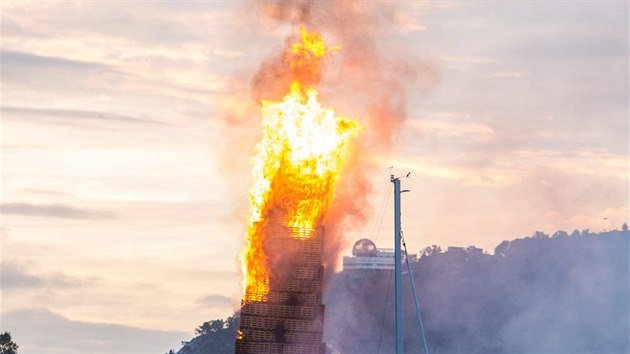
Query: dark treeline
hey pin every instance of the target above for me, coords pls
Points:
(555, 293)
(216, 337)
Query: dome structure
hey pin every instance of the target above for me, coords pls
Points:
(364, 248)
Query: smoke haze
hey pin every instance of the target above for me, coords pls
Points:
(364, 79)
(558, 294)
(539, 294)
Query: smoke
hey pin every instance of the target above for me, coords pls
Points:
(558, 294)
(365, 79)
(370, 77)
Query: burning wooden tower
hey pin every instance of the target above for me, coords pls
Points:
(289, 319)
(296, 167)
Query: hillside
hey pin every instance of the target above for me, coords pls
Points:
(560, 293)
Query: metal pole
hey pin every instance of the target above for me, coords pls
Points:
(397, 265)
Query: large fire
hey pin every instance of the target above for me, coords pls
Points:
(297, 162)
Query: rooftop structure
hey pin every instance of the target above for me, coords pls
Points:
(365, 255)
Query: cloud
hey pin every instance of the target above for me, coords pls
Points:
(481, 173)
(511, 74)
(10, 57)
(43, 192)
(609, 218)
(481, 167)
(15, 276)
(54, 211)
(469, 60)
(94, 21)
(21, 112)
(410, 17)
(227, 53)
(442, 128)
(587, 162)
(29, 75)
(215, 300)
(38, 330)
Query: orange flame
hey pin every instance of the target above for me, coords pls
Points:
(297, 162)
(306, 58)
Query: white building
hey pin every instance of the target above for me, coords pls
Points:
(365, 255)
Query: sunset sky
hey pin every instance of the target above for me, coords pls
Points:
(124, 194)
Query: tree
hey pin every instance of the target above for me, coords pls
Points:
(502, 248)
(234, 321)
(624, 227)
(560, 234)
(6, 344)
(210, 327)
(431, 250)
(540, 235)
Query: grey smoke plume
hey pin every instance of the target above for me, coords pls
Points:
(541, 294)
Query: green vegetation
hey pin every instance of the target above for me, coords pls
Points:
(7, 346)
(216, 337)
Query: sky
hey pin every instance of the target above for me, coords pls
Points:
(123, 212)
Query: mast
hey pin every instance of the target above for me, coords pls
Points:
(397, 265)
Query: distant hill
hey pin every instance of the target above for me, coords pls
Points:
(556, 294)
(213, 337)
